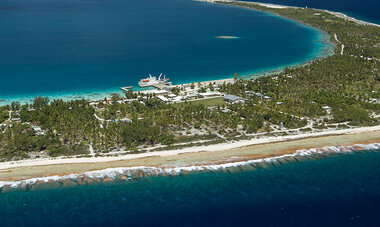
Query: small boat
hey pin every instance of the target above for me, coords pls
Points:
(153, 80)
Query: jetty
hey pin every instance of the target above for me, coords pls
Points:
(167, 86)
(128, 88)
(163, 86)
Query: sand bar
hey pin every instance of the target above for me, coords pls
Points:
(226, 37)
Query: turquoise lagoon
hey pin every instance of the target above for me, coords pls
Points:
(82, 48)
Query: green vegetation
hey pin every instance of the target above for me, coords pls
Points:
(3, 114)
(145, 132)
(346, 83)
(339, 91)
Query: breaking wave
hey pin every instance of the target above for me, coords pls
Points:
(130, 173)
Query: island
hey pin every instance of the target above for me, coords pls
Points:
(327, 106)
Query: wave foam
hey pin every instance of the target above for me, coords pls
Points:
(127, 173)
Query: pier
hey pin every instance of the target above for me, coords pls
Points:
(162, 86)
(128, 88)
(168, 85)
(187, 86)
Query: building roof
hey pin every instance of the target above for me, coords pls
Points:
(163, 98)
(177, 99)
(36, 128)
(160, 92)
(206, 94)
(192, 95)
(232, 98)
(126, 120)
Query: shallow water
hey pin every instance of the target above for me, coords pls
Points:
(343, 189)
(75, 47)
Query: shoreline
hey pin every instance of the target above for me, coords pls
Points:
(192, 158)
(225, 153)
(124, 173)
(278, 6)
(344, 16)
(325, 51)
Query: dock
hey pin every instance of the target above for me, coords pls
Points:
(161, 86)
(168, 85)
(126, 89)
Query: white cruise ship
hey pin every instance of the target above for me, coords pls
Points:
(153, 80)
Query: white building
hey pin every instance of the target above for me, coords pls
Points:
(163, 98)
(38, 130)
(177, 99)
(233, 98)
(160, 92)
(210, 94)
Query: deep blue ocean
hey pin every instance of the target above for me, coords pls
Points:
(367, 10)
(342, 190)
(75, 47)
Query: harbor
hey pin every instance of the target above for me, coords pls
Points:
(164, 86)
(187, 92)
(152, 81)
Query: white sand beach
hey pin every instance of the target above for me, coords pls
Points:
(344, 16)
(23, 168)
(276, 6)
(210, 148)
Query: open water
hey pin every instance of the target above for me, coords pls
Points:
(73, 48)
(61, 47)
(341, 190)
(367, 10)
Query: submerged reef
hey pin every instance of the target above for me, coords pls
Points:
(126, 174)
